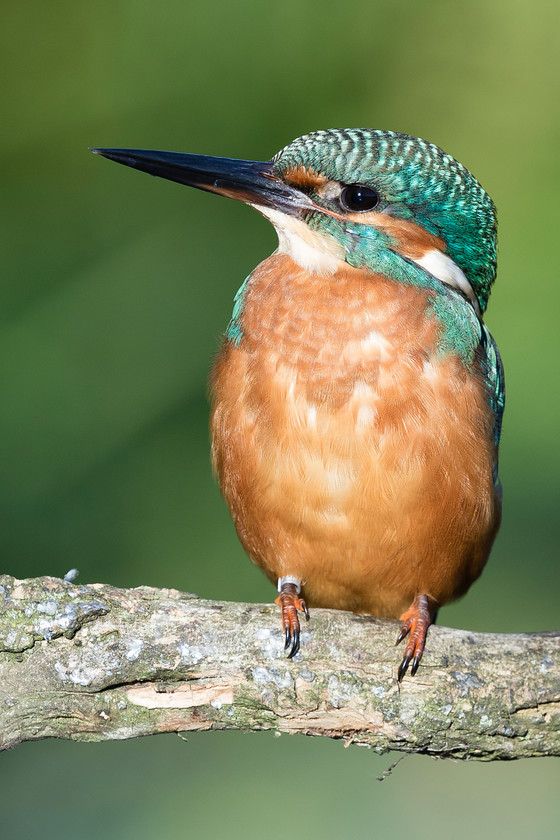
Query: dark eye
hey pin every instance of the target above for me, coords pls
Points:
(356, 197)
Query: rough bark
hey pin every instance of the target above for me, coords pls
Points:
(95, 662)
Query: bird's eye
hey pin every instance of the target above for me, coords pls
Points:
(356, 197)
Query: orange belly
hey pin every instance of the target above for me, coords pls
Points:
(350, 454)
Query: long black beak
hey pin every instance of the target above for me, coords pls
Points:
(245, 180)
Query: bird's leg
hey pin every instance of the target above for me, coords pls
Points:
(290, 602)
(416, 621)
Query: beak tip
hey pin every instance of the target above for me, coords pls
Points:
(246, 180)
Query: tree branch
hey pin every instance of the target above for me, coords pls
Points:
(94, 662)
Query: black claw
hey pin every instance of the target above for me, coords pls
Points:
(305, 610)
(415, 664)
(403, 666)
(287, 638)
(295, 643)
(403, 632)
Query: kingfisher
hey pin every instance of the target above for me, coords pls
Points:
(357, 397)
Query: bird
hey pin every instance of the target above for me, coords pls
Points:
(357, 396)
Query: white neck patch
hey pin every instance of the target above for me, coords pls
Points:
(311, 250)
(443, 268)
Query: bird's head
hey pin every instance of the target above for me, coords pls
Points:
(377, 200)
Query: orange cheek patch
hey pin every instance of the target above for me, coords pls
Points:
(305, 177)
(412, 240)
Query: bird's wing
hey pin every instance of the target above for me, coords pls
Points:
(493, 371)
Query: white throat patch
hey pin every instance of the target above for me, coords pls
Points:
(311, 250)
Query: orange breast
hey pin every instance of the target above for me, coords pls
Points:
(349, 454)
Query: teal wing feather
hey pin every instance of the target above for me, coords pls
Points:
(493, 371)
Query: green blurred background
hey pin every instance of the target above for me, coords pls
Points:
(116, 288)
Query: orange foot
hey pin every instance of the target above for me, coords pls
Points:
(416, 621)
(290, 602)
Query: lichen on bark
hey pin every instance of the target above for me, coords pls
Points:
(95, 662)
